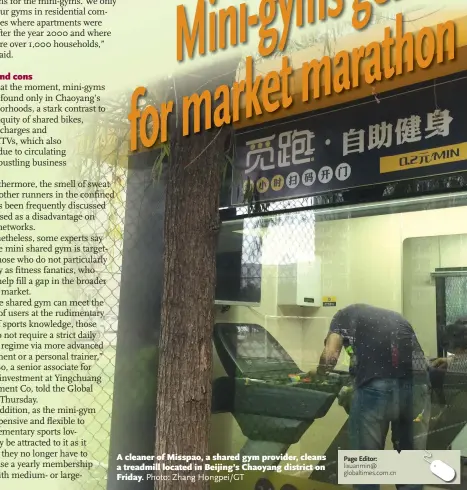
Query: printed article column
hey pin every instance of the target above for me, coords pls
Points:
(59, 285)
(63, 161)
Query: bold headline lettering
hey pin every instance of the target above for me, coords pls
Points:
(399, 53)
(229, 26)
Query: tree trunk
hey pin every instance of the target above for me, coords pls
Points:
(185, 357)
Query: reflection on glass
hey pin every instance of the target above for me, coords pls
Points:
(392, 256)
(253, 343)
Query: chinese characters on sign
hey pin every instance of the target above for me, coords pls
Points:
(293, 148)
(343, 149)
(407, 130)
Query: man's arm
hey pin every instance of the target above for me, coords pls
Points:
(331, 353)
(442, 362)
(329, 356)
(333, 344)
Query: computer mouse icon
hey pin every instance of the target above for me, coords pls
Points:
(442, 471)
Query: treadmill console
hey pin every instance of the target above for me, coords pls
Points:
(250, 351)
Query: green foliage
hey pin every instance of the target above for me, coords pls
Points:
(161, 159)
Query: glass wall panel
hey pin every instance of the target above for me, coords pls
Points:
(281, 281)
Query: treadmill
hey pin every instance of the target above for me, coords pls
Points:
(272, 412)
(450, 391)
